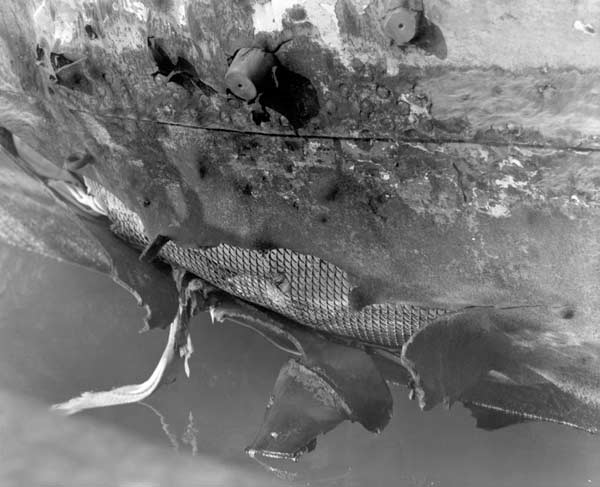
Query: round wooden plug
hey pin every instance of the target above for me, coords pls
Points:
(250, 72)
(401, 25)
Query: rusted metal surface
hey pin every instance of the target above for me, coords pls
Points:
(446, 171)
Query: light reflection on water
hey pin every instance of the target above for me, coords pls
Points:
(65, 330)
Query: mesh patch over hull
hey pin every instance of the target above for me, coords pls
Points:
(301, 287)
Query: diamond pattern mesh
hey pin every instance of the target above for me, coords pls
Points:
(301, 287)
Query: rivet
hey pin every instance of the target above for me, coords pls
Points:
(344, 91)
(225, 117)
(366, 106)
(383, 92)
(357, 65)
(330, 106)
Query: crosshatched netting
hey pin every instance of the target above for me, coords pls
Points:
(301, 287)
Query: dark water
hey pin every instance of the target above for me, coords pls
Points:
(64, 330)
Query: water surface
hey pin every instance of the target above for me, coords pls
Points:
(64, 330)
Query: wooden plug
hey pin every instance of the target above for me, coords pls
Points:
(250, 72)
(401, 25)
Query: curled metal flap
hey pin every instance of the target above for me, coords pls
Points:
(530, 362)
(303, 405)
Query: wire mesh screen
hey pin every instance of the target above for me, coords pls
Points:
(301, 287)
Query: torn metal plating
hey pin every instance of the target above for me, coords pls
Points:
(179, 346)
